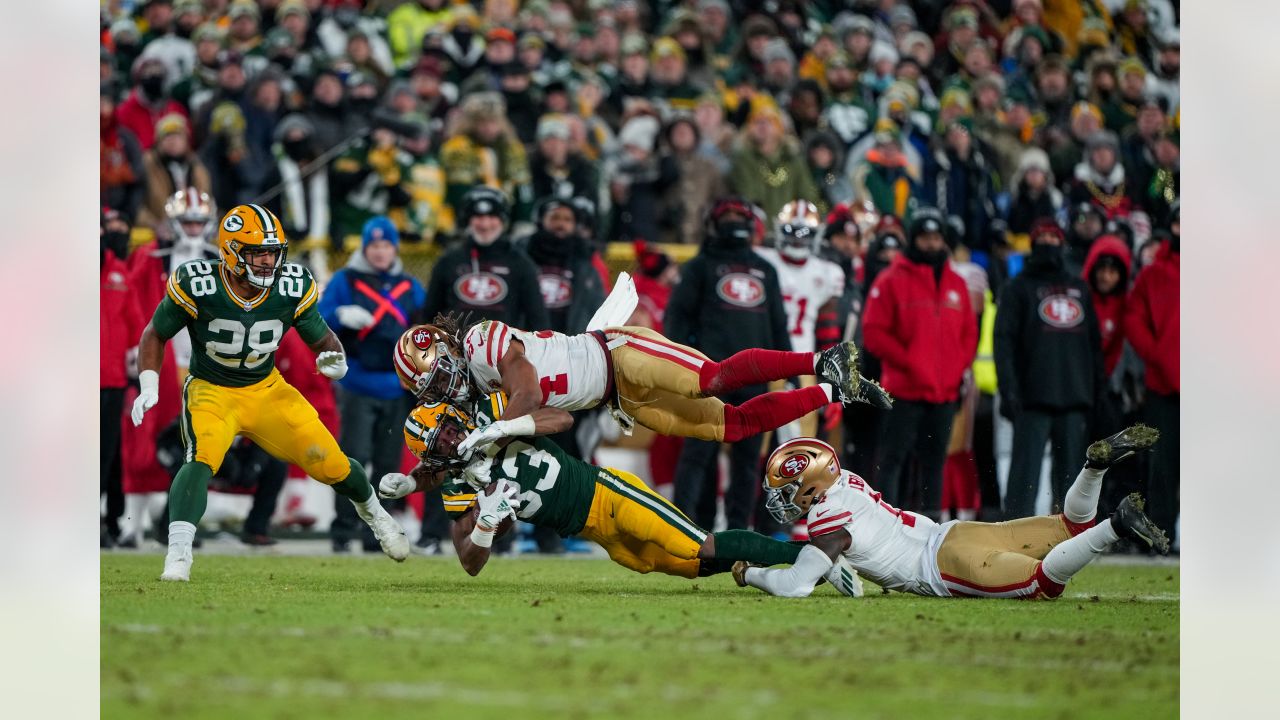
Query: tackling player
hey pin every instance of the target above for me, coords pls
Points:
(1031, 557)
(237, 310)
(536, 481)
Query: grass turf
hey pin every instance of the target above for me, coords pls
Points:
(311, 637)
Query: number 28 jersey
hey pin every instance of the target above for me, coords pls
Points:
(234, 339)
(572, 369)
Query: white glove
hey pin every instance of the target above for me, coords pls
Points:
(476, 474)
(497, 507)
(396, 485)
(149, 393)
(332, 364)
(354, 317)
(486, 436)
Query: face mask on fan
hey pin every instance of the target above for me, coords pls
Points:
(733, 233)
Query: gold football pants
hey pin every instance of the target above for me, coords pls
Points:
(640, 529)
(659, 384)
(271, 413)
(999, 559)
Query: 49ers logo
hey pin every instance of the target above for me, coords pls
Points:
(556, 290)
(740, 289)
(794, 466)
(422, 339)
(1061, 311)
(481, 288)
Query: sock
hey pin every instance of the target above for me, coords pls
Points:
(712, 566)
(355, 485)
(829, 390)
(189, 494)
(753, 367)
(181, 535)
(733, 545)
(1081, 502)
(1070, 556)
(771, 410)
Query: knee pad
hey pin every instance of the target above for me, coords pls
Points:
(326, 466)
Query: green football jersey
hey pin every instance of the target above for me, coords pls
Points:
(234, 339)
(556, 488)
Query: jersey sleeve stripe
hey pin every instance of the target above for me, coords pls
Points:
(826, 525)
(307, 301)
(498, 350)
(488, 353)
(176, 294)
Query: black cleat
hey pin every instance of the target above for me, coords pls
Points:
(871, 393)
(838, 366)
(1105, 453)
(1131, 523)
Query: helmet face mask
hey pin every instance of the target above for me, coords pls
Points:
(433, 432)
(798, 228)
(797, 474)
(430, 366)
(249, 234)
(191, 216)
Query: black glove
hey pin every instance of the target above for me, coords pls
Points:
(1010, 407)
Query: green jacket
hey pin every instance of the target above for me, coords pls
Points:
(772, 182)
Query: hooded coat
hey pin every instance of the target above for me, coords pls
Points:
(1109, 308)
(1152, 321)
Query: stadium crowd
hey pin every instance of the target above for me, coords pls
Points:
(997, 182)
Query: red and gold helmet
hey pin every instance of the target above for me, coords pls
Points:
(796, 475)
(432, 433)
(252, 230)
(430, 365)
(798, 227)
(191, 216)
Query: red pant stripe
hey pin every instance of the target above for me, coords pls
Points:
(666, 352)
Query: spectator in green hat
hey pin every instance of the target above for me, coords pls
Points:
(848, 112)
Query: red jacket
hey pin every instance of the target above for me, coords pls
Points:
(1109, 308)
(1152, 323)
(120, 322)
(141, 119)
(924, 332)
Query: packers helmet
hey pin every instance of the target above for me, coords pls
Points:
(252, 230)
(796, 475)
(798, 227)
(430, 365)
(191, 215)
(432, 433)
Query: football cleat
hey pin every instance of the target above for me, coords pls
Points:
(389, 533)
(873, 394)
(838, 365)
(177, 565)
(1132, 524)
(740, 572)
(1107, 452)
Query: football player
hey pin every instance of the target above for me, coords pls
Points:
(237, 310)
(1031, 557)
(535, 481)
(811, 286)
(640, 375)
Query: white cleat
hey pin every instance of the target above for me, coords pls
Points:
(389, 533)
(177, 565)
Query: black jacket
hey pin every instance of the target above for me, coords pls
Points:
(1048, 349)
(571, 288)
(727, 301)
(497, 282)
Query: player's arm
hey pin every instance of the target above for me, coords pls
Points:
(814, 561)
(519, 381)
(331, 361)
(176, 310)
(473, 557)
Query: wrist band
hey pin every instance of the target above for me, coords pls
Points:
(482, 538)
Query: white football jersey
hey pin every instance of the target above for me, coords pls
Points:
(893, 548)
(805, 288)
(572, 369)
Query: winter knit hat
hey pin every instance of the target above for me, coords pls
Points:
(1102, 138)
(379, 227)
(639, 132)
(1046, 226)
(652, 262)
(777, 49)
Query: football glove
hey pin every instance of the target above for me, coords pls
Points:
(486, 436)
(354, 317)
(394, 486)
(332, 364)
(476, 474)
(149, 393)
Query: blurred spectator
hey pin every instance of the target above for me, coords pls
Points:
(804, 108)
(728, 300)
(779, 72)
(686, 30)
(369, 179)
(716, 137)
(882, 176)
(768, 167)
(962, 183)
(499, 51)
(1107, 272)
(368, 304)
(1100, 178)
(233, 171)
(1049, 360)
(245, 26)
(1087, 223)
(824, 154)
(1121, 109)
(670, 76)
(1153, 327)
(264, 108)
(483, 149)
(435, 97)
(638, 180)
(462, 44)
(656, 277)
(699, 181)
(1034, 194)
(919, 323)
(847, 113)
(121, 325)
(408, 23)
(1067, 151)
(122, 178)
(170, 166)
(195, 88)
(148, 102)
(1164, 79)
(301, 203)
(524, 104)
(328, 112)
(557, 169)
(163, 40)
(127, 46)
(426, 215)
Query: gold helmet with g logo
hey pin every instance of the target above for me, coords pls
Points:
(432, 433)
(252, 231)
(796, 475)
(429, 364)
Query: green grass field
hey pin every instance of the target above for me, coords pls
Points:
(351, 637)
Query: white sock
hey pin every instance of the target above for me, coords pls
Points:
(1070, 557)
(367, 509)
(1081, 503)
(181, 535)
(830, 391)
(815, 362)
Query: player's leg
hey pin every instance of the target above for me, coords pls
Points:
(973, 563)
(288, 427)
(1080, 504)
(208, 423)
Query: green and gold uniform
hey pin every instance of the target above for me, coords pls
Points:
(234, 387)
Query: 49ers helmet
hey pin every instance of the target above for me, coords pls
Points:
(187, 208)
(432, 433)
(430, 365)
(252, 229)
(796, 475)
(798, 227)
